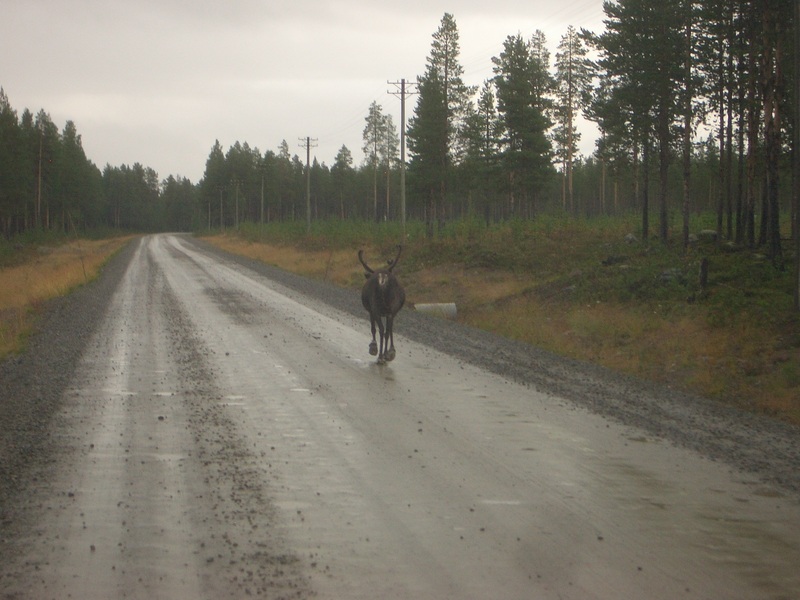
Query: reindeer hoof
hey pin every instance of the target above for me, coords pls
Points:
(373, 349)
(390, 354)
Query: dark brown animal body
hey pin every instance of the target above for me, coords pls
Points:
(383, 297)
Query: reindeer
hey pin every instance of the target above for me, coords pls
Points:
(383, 296)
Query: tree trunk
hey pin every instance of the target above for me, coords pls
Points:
(635, 172)
(729, 155)
(430, 215)
(687, 132)
(740, 175)
(645, 188)
(752, 156)
(721, 142)
(773, 91)
(663, 160)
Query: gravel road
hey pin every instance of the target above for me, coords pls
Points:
(250, 516)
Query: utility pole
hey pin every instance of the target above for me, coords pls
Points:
(796, 158)
(405, 89)
(308, 143)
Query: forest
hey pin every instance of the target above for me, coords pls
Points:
(694, 101)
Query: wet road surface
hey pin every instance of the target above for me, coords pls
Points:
(225, 436)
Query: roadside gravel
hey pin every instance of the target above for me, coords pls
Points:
(762, 450)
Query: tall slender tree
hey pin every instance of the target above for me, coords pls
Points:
(775, 14)
(573, 78)
(342, 173)
(443, 61)
(374, 135)
(390, 153)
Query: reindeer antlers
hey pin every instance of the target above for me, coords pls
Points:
(361, 260)
(392, 262)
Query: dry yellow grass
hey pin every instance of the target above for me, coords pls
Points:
(338, 266)
(684, 353)
(52, 272)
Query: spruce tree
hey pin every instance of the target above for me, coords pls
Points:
(436, 134)
(521, 81)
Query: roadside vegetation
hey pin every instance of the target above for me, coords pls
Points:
(37, 268)
(579, 288)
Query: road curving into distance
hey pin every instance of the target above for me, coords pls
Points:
(221, 433)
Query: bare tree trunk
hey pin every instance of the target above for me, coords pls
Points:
(721, 142)
(687, 134)
(635, 172)
(729, 154)
(646, 188)
(752, 156)
(375, 192)
(430, 215)
(663, 175)
(740, 173)
(773, 96)
(603, 185)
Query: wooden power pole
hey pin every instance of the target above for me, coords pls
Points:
(405, 89)
(308, 143)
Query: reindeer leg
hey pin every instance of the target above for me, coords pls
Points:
(389, 353)
(373, 347)
(382, 353)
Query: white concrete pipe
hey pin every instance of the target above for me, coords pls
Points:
(446, 310)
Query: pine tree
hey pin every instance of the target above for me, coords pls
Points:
(443, 62)
(574, 75)
(373, 135)
(390, 154)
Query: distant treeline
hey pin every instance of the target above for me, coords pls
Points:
(661, 73)
(47, 183)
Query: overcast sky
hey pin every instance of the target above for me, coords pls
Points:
(158, 81)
